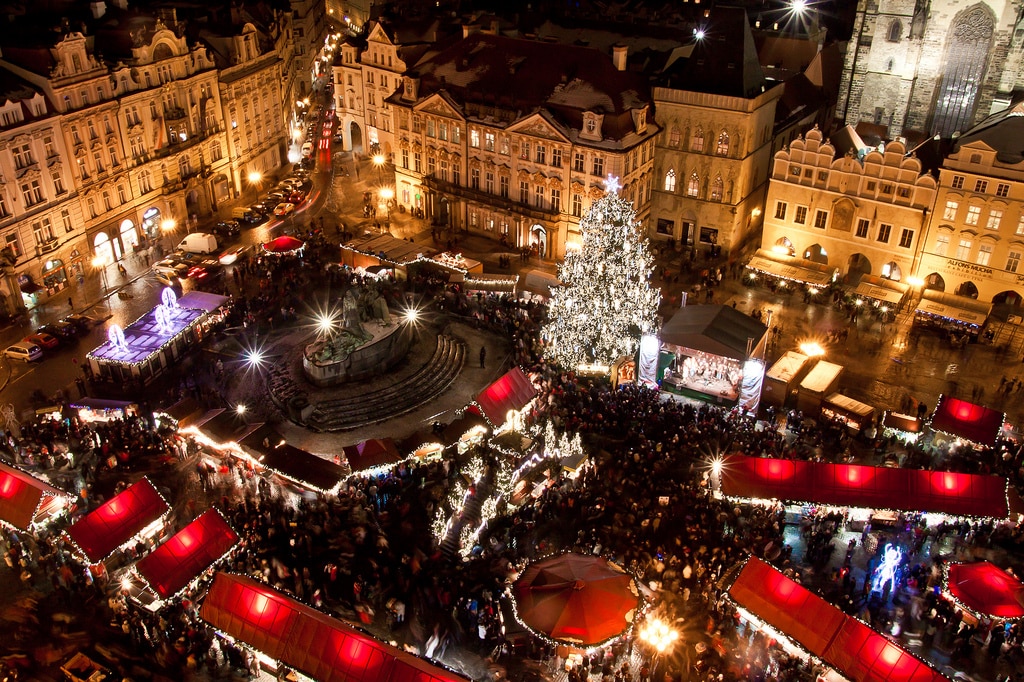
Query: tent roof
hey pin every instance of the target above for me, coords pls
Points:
(966, 420)
(283, 244)
(371, 454)
(774, 598)
(225, 426)
(23, 497)
(118, 520)
(513, 391)
(843, 642)
(986, 589)
(864, 486)
(716, 329)
(303, 467)
(173, 565)
(303, 638)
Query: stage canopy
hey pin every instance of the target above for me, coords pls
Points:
(715, 329)
(986, 590)
(173, 565)
(852, 485)
(25, 501)
(512, 392)
(371, 454)
(117, 521)
(852, 648)
(303, 638)
(966, 420)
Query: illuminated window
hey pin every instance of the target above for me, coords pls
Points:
(722, 149)
(489, 141)
(958, 182)
(697, 141)
(670, 181)
(1020, 225)
(474, 138)
(994, 218)
(949, 213)
(780, 210)
(963, 250)
(984, 254)
(693, 185)
(716, 189)
(942, 245)
(973, 214)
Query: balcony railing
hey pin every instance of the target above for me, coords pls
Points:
(486, 198)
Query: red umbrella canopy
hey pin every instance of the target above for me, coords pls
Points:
(576, 599)
(283, 244)
(986, 589)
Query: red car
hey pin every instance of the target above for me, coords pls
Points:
(296, 198)
(43, 340)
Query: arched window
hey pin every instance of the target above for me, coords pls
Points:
(693, 185)
(895, 31)
(697, 143)
(716, 189)
(670, 181)
(966, 58)
(673, 137)
(722, 149)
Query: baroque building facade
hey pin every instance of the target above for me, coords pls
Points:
(931, 66)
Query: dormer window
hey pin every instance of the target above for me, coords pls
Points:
(591, 125)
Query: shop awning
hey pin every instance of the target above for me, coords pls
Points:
(512, 392)
(494, 283)
(371, 454)
(881, 289)
(840, 641)
(311, 642)
(850, 405)
(966, 420)
(29, 287)
(303, 467)
(951, 307)
(852, 485)
(117, 521)
(173, 565)
(901, 422)
(792, 268)
(985, 589)
(716, 329)
(25, 500)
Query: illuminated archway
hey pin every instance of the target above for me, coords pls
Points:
(784, 246)
(816, 253)
(1008, 297)
(103, 248)
(891, 270)
(934, 281)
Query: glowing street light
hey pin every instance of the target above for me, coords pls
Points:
(812, 349)
(325, 324)
(240, 409)
(378, 161)
(255, 177)
(658, 635)
(101, 265)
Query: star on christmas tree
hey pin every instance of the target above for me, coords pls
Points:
(605, 301)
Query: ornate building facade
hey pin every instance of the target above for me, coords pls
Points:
(933, 66)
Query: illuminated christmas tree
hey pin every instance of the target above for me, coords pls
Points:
(605, 301)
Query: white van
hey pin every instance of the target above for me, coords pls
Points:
(198, 242)
(307, 150)
(24, 351)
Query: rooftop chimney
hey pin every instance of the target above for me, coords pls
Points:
(619, 53)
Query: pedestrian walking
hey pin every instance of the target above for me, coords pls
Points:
(483, 355)
(71, 304)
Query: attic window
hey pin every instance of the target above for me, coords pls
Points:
(975, 158)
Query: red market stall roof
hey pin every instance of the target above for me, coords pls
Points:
(789, 607)
(513, 391)
(193, 549)
(283, 244)
(303, 638)
(852, 485)
(371, 454)
(986, 590)
(966, 420)
(25, 500)
(842, 642)
(117, 520)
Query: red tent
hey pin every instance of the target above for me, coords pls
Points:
(117, 520)
(843, 642)
(371, 454)
(986, 590)
(513, 391)
(193, 549)
(25, 500)
(577, 599)
(282, 245)
(303, 638)
(774, 598)
(854, 485)
(966, 420)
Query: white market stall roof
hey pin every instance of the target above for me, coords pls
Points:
(881, 289)
(391, 249)
(939, 304)
(850, 405)
(792, 268)
(787, 367)
(821, 376)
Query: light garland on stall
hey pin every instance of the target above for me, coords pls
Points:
(938, 404)
(948, 594)
(33, 526)
(606, 300)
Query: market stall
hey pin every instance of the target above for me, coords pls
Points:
(373, 456)
(782, 378)
(285, 245)
(864, 487)
(490, 284)
(99, 410)
(372, 250)
(984, 590)
(503, 402)
(820, 382)
(303, 468)
(883, 295)
(975, 424)
(851, 413)
(179, 561)
(26, 502)
(316, 645)
(137, 511)
(786, 268)
(949, 313)
(902, 426)
(705, 351)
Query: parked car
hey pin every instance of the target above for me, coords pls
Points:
(235, 254)
(227, 229)
(43, 340)
(171, 267)
(83, 323)
(198, 242)
(296, 198)
(24, 351)
(285, 209)
(167, 279)
(62, 330)
(271, 202)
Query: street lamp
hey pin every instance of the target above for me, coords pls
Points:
(168, 227)
(101, 265)
(378, 161)
(658, 635)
